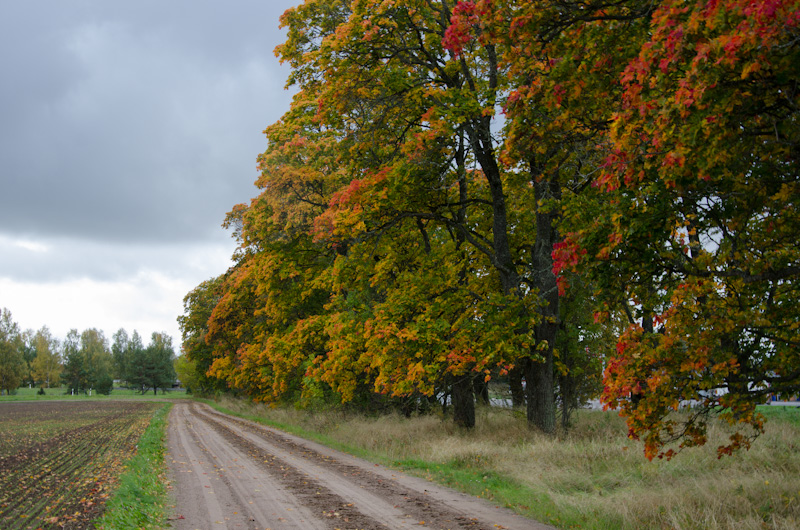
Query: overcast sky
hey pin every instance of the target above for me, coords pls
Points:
(127, 131)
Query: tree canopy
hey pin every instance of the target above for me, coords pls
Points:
(474, 189)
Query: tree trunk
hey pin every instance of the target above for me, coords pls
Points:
(541, 410)
(463, 402)
(566, 385)
(539, 372)
(515, 385)
(481, 388)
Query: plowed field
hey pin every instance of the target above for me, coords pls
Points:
(59, 460)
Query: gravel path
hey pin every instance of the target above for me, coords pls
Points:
(229, 473)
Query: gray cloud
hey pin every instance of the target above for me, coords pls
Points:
(57, 260)
(127, 131)
(137, 122)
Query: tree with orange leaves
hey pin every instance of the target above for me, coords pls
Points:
(697, 234)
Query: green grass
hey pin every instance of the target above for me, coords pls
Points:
(31, 394)
(781, 413)
(140, 501)
(592, 477)
(488, 484)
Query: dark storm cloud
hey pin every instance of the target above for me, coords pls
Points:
(133, 123)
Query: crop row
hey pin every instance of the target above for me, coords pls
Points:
(27, 423)
(63, 481)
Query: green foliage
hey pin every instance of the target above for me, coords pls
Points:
(87, 361)
(46, 366)
(119, 352)
(12, 362)
(153, 366)
(28, 350)
(198, 305)
(74, 374)
(186, 372)
(104, 385)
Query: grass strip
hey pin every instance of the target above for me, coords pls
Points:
(140, 500)
(62, 394)
(494, 487)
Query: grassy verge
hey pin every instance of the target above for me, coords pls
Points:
(140, 500)
(593, 477)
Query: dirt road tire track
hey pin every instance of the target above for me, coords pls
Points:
(230, 473)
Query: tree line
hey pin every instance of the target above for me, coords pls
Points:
(587, 197)
(82, 361)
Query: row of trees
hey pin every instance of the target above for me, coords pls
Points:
(82, 361)
(27, 357)
(633, 210)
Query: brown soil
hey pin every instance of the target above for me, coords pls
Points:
(232, 473)
(59, 460)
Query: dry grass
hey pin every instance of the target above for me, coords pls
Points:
(592, 477)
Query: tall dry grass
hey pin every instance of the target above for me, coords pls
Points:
(590, 477)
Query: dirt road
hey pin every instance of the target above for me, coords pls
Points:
(229, 473)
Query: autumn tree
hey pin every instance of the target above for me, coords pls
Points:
(12, 363)
(405, 243)
(414, 118)
(697, 238)
(197, 307)
(46, 366)
(265, 329)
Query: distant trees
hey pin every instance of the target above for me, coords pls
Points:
(28, 350)
(119, 352)
(46, 366)
(143, 367)
(74, 375)
(12, 363)
(157, 369)
(83, 361)
(87, 362)
(99, 361)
